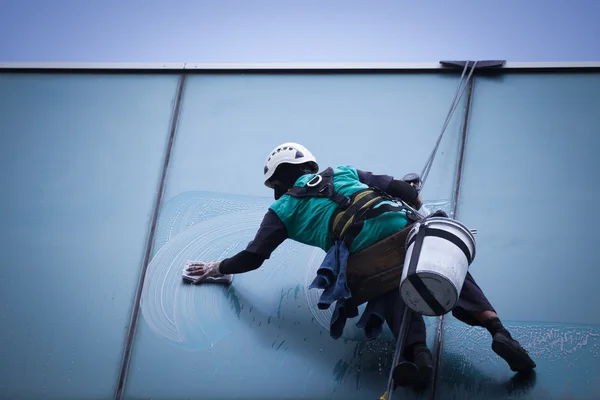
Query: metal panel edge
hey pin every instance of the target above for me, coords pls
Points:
(135, 310)
(156, 67)
(90, 66)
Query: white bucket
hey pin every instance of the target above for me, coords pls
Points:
(439, 252)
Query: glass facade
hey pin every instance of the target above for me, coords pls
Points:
(81, 157)
(528, 187)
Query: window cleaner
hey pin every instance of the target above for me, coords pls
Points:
(356, 215)
(344, 211)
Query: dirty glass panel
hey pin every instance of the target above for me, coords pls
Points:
(530, 188)
(263, 336)
(80, 157)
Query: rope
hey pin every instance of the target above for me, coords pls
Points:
(424, 174)
(457, 97)
(399, 345)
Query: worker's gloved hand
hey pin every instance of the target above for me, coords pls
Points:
(414, 180)
(418, 203)
(204, 270)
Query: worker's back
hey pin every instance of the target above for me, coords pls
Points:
(307, 219)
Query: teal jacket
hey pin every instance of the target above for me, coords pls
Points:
(307, 219)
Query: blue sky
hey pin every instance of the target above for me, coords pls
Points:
(237, 31)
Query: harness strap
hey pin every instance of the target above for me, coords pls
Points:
(321, 185)
(374, 212)
(343, 219)
(348, 220)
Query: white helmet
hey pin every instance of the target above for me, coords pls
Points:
(288, 153)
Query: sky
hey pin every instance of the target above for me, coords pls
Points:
(290, 31)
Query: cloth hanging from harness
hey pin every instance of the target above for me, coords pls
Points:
(344, 226)
(332, 278)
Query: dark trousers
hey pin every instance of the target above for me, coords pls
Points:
(471, 299)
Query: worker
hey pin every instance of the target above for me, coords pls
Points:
(306, 208)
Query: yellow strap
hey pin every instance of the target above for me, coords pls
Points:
(384, 397)
(342, 213)
(352, 218)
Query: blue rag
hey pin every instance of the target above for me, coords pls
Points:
(331, 277)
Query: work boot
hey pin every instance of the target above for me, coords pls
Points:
(508, 348)
(405, 373)
(416, 368)
(424, 363)
(511, 351)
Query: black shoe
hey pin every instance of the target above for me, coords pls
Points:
(417, 370)
(405, 374)
(511, 351)
(424, 363)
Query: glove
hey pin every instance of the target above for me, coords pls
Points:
(204, 271)
(414, 180)
(418, 203)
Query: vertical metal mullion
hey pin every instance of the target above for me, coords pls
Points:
(439, 338)
(463, 146)
(131, 332)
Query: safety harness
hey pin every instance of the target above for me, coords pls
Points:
(352, 211)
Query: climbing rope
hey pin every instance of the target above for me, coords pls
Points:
(462, 85)
(401, 337)
(457, 97)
